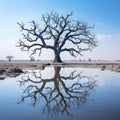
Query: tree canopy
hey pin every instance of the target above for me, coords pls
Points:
(58, 33)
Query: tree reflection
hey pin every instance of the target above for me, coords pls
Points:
(59, 91)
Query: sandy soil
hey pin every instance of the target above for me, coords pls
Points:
(113, 66)
(7, 69)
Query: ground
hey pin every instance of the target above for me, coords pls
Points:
(10, 66)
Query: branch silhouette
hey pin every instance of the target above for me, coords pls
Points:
(59, 91)
(54, 32)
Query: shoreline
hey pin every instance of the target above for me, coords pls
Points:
(13, 69)
(111, 65)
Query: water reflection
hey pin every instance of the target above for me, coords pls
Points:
(57, 93)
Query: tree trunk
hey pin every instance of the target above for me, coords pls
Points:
(57, 56)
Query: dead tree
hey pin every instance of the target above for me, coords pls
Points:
(55, 91)
(58, 33)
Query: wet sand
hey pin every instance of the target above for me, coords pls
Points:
(103, 65)
(13, 69)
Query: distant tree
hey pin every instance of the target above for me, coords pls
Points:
(9, 58)
(89, 59)
(32, 58)
(58, 33)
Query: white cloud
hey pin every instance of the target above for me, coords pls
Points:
(99, 24)
(108, 49)
(101, 37)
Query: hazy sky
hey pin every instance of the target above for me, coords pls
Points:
(104, 14)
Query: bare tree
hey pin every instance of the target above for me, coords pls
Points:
(58, 33)
(32, 58)
(55, 91)
(9, 58)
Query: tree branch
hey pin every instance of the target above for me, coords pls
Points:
(54, 32)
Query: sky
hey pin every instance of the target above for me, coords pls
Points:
(104, 14)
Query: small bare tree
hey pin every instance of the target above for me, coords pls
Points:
(9, 58)
(32, 58)
(58, 33)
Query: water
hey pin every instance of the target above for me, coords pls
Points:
(61, 93)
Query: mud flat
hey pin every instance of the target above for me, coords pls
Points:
(13, 69)
(103, 65)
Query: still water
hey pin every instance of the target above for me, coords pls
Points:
(61, 93)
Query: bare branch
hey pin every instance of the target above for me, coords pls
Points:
(54, 32)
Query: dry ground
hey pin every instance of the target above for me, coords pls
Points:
(113, 65)
(10, 67)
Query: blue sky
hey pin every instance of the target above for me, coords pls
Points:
(104, 14)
